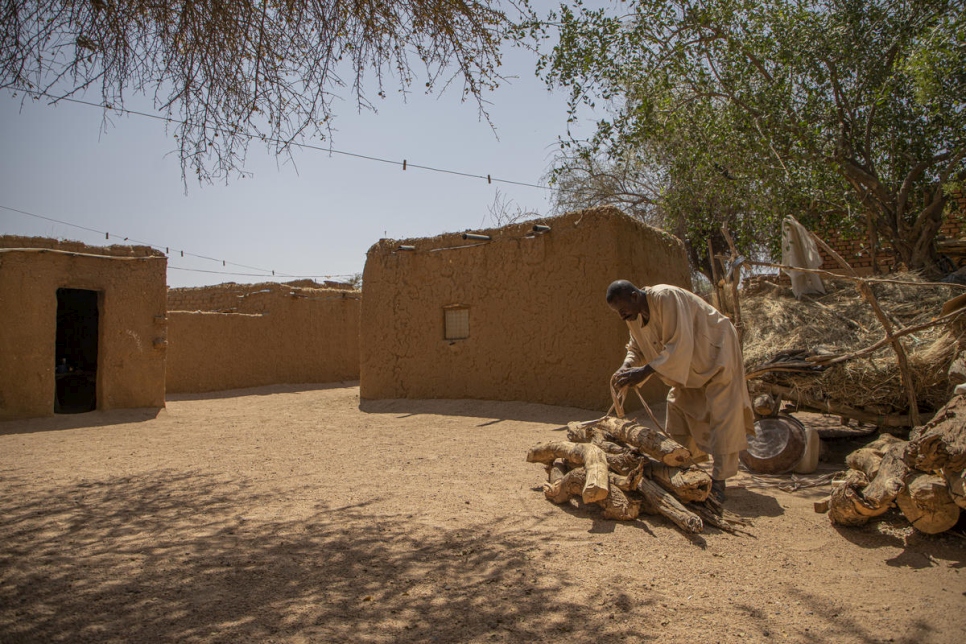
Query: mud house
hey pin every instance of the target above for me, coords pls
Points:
(232, 336)
(514, 313)
(81, 327)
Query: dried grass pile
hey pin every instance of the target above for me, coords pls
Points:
(842, 321)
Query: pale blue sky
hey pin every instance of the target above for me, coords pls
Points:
(315, 217)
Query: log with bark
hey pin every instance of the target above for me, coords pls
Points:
(926, 502)
(940, 443)
(876, 476)
(657, 500)
(595, 487)
(957, 486)
(617, 505)
(692, 484)
(846, 506)
(867, 459)
(890, 472)
(888, 481)
(650, 441)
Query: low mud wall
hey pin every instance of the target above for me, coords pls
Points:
(272, 334)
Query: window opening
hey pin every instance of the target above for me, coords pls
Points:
(75, 369)
(456, 323)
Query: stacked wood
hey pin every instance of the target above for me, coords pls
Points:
(644, 470)
(595, 485)
(923, 476)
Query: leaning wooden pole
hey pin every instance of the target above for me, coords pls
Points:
(900, 351)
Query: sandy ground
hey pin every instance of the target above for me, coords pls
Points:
(297, 515)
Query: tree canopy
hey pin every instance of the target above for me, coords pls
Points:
(228, 70)
(848, 114)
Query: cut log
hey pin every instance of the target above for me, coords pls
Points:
(957, 486)
(688, 485)
(590, 456)
(846, 506)
(724, 520)
(867, 459)
(617, 506)
(553, 487)
(650, 441)
(581, 433)
(940, 443)
(626, 462)
(926, 502)
(883, 442)
(656, 500)
(559, 489)
(766, 404)
(888, 481)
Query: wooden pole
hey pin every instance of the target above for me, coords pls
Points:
(733, 284)
(900, 351)
(838, 409)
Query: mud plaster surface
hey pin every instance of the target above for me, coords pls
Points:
(292, 515)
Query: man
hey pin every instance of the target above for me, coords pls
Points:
(694, 349)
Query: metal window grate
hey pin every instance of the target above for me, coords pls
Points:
(456, 323)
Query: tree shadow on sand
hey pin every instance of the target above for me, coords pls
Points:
(188, 557)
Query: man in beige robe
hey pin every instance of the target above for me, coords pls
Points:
(694, 349)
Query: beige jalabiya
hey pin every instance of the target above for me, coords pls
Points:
(694, 349)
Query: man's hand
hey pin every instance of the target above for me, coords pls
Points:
(630, 376)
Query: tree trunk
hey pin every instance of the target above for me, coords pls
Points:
(590, 456)
(926, 502)
(650, 441)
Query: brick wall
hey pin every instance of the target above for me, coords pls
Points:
(857, 253)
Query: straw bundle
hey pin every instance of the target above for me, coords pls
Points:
(841, 322)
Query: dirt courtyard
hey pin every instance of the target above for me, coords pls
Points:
(286, 514)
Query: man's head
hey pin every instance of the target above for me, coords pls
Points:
(626, 300)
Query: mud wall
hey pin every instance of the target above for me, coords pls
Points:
(130, 282)
(234, 336)
(539, 327)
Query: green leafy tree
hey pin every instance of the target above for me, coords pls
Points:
(225, 70)
(849, 114)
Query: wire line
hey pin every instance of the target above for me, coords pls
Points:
(266, 272)
(404, 164)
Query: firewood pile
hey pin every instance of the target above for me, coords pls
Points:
(923, 476)
(628, 468)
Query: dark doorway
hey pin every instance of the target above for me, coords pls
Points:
(76, 366)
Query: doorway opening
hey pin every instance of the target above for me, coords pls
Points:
(76, 356)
